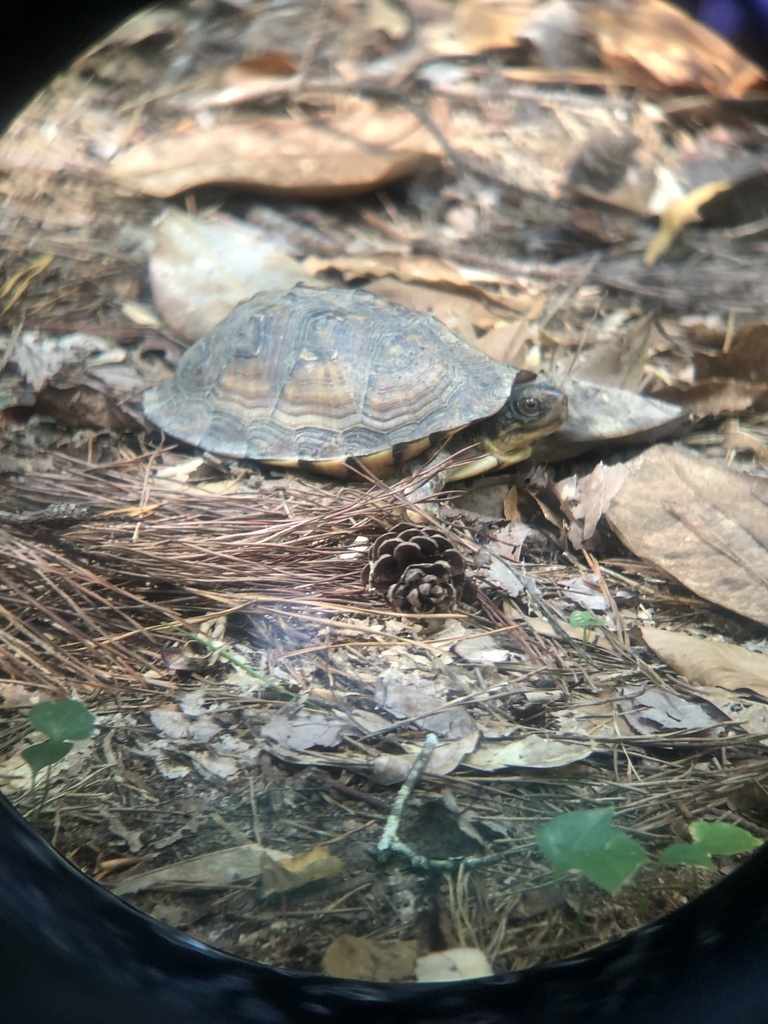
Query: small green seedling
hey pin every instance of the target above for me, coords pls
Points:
(710, 839)
(589, 842)
(585, 621)
(62, 721)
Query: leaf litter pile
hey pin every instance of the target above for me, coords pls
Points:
(576, 189)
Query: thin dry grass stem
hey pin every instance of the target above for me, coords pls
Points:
(94, 607)
(53, 615)
(95, 603)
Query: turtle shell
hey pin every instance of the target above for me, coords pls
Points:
(322, 376)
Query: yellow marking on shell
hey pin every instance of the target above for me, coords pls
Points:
(384, 464)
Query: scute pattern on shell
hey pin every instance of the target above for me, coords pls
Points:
(316, 375)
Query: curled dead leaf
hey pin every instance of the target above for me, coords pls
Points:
(283, 874)
(655, 45)
(352, 956)
(710, 662)
(702, 523)
(528, 752)
(343, 155)
(220, 868)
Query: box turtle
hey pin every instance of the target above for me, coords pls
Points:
(323, 379)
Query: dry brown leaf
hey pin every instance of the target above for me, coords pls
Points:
(501, 574)
(730, 380)
(410, 701)
(620, 362)
(449, 754)
(174, 724)
(461, 313)
(599, 720)
(703, 524)
(655, 45)
(404, 266)
(370, 959)
(585, 499)
(79, 379)
(656, 711)
(490, 24)
(710, 662)
(220, 868)
(342, 155)
(392, 769)
(529, 752)
(714, 397)
(511, 506)
(482, 650)
(586, 591)
(304, 729)
(283, 874)
(506, 340)
(744, 358)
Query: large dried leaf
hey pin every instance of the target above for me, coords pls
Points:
(710, 662)
(656, 711)
(715, 396)
(732, 379)
(585, 499)
(528, 752)
(322, 159)
(460, 312)
(79, 379)
(403, 699)
(744, 356)
(404, 266)
(284, 874)
(220, 868)
(490, 24)
(655, 45)
(304, 729)
(392, 769)
(350, 956)
(703, 524)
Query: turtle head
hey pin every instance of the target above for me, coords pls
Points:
(533, 409)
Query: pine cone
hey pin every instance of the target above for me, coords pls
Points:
(417, 569)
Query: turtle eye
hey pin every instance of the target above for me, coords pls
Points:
(528, 406)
